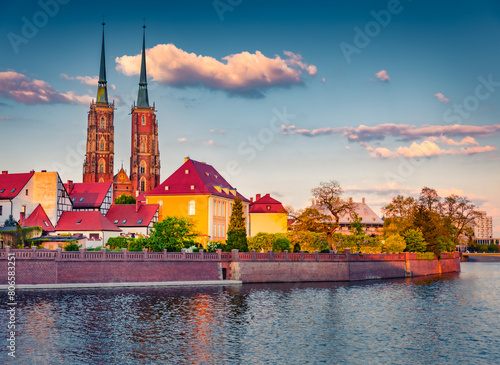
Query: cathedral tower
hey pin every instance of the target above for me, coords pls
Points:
(145, 157)
(98, 165)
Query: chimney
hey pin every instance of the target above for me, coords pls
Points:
(70, 186)
(5, 172)
(137, 205)
(268, 194)
(44, 170)
(363, 200)
(22, 215)
(257, 197)
(251, 199)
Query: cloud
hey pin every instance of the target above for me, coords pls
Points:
(4, 117)
(383, 76)
(86, 80)
(425, 149)
(404, 131)
(323, 80)
(451, 142)
(442, 98)
(221, 131)
(182, 139)
(28, 91)
(244, 74)
(210, 142)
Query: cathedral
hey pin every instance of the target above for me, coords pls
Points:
(144, 156)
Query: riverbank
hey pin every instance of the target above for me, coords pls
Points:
(38, 268)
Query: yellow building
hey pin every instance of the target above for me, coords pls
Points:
(267, 215)
(197, 191)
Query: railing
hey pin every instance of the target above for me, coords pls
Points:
(218, 256)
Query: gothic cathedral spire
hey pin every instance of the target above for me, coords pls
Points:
(142, 95)
(99, 158)
(102, 90)
(145, 154)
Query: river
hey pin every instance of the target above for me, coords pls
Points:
(452, 319)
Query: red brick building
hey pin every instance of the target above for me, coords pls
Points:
(122, 185)
(145, 154)
(99, 157)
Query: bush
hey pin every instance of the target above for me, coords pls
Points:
(118, 242)
(492, 247)
(73, 246)
(483, 248)
(281, 244)
(394, 243)
(370, 249)
(136, 244)
(426, 256)
(414, 240)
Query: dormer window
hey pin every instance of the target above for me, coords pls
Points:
(139, 221)
(116, 221)
(81, 199)
(124, 221)
(268, 207)
(167, 187)
(186, 172)
(206, 173)
(13, 190)
(79, 221)
(46, 224)
(192, 187)
(1, 191)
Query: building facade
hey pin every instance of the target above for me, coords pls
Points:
(99, 157)
(483, 226)
(145, 153)
(267, 215)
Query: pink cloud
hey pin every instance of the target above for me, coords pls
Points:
(442, 98)
(86, 80)
(28, 91)
(246, 74)
(449, 141)
(4, 117)
(383, 76)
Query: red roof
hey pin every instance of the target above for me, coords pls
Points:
(39, 219)
(88, 195)
(266, 204)
(85, 221)
(12, 184)
(125, 215)
(196, 178)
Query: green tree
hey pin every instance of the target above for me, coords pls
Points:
(10, 222)
(394, 243)
(172, 234)
(118, 242)
(356, 225)
(72, 246)
(311, 219)
(399, 215)
(237, 232)
(136, 244)
(125, 199)
(415, 240)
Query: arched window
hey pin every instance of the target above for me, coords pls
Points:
(103, 123)
(143, 184)
(143, 167)
(143, 120)
(143, 147)
(192, 208)
(102, 168)
(101, 144)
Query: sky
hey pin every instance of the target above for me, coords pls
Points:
(386, 97)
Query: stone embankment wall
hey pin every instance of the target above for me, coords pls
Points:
(60, 267)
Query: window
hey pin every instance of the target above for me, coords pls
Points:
(143, 184)
(81, 199)
(268, 207)
(26, 192)
(167, 187)
(116, 221)
(143, 120)
(73, 199)
(1, 191)
(192, 208)
(124, 221)
(79, 221)
(143, 147)
(103, 123)
(192, 187)
(101, 145)
(13, 190)
(1, 208)
(139, 221)
(186, 172)
(46, 224)
(23, 209)
(142, 169)
(102, 169)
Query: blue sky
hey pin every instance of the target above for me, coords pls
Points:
(277, 95)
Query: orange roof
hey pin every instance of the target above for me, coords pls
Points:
(84, 221)
(196, 178)
(266, 204)
(39, 219)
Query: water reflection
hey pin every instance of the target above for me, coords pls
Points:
(431, 320)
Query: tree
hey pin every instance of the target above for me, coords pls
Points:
(311, 219)
(414, 240)
(125, 199)
(237, 232)
(356, 225)
(394, 243)
(399, 215)
(329, 196)
(460, 213)
(172, 234)
(10, 222)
